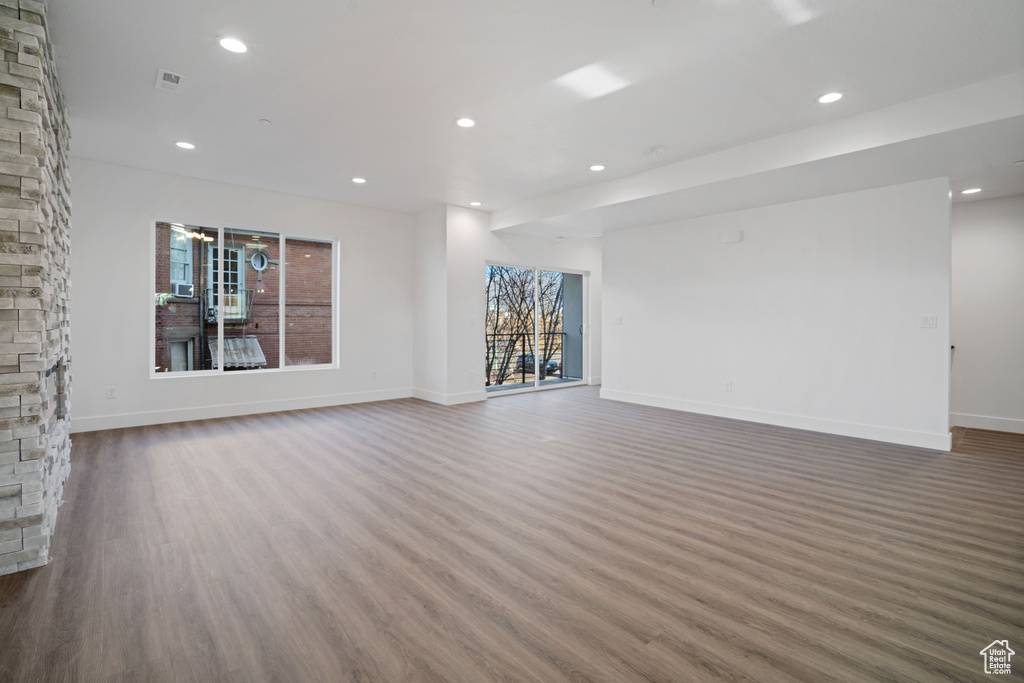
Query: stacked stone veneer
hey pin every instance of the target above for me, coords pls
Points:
(35, 446)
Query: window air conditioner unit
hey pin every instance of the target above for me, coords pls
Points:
(181, 290)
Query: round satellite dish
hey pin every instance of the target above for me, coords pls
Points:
(259, 261)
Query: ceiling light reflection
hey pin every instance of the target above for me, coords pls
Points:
(795, 12)
(592, 81)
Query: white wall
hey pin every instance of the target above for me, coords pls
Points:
(988, 314)
(430, 365)
(111, 299)
(814, 317)
(468, 233)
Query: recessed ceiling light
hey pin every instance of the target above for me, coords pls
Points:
(465, 123)
(597, 167)
(359, 181)
(474, 203)
(830, 97)
(973, 190)
(185, 145)
(233, 45)
(1019, 163)
(266, 122)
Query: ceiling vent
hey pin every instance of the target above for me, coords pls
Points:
(169, 81)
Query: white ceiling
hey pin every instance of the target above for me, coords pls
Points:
(372, 88)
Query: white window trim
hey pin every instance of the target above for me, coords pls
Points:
(335, 363)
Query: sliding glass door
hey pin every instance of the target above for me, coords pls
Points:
(535, 328)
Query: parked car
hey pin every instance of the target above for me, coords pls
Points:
(525, 363)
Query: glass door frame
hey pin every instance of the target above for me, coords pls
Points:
(585, 379)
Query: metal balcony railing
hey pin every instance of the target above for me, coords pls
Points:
(511, 358)
(237, 305)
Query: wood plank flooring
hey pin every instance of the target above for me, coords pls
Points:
(986, 442)
(538, 537)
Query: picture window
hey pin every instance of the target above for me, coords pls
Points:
(241, 300)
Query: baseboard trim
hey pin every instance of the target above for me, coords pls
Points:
(998, 424)
(96, 423)
(906, 437)
(431, 396)
(595, 381)
(449, 399)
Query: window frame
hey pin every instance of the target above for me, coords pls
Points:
(189, 269)
(283, 236)
(587, 337)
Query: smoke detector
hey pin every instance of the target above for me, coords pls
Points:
(169, 81)
(656, 152)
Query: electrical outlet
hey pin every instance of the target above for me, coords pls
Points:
(728, 386)
(618, 320)
(929, 321)
(111, 392)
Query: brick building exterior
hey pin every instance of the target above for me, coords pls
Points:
(185, 325)
(308, 319)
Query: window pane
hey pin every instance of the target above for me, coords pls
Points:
(551, 333)
(219, 301)
(181, 255)
(308, 310)
(510, 360)
(180, 321)
(561, 326)
(251, 303)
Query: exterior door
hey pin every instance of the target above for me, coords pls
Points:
(535, 328)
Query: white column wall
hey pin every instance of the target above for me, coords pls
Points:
(430, 365)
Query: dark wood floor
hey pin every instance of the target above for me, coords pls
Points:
(539, 537)
(986, 442)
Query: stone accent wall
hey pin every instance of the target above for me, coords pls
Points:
(35, 208)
